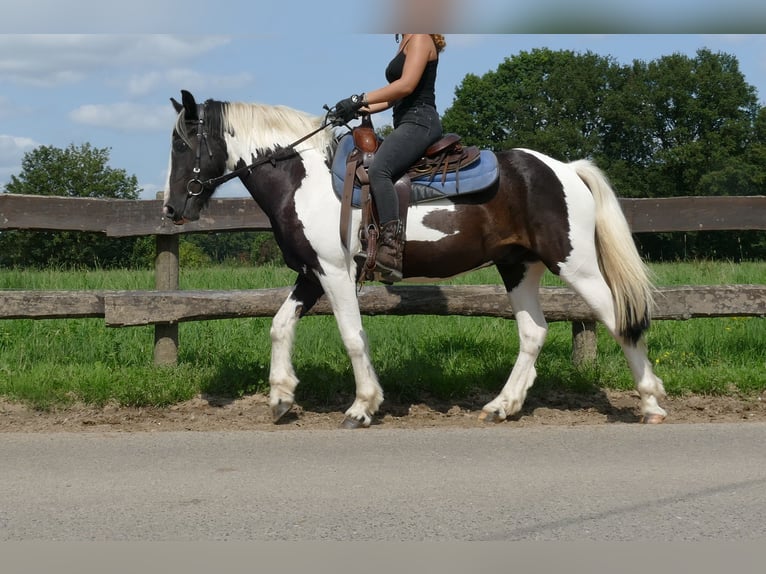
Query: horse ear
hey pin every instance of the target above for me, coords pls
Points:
(189, 104)
(177, 106)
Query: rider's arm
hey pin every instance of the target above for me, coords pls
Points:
(418, 51)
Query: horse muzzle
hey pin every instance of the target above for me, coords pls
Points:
(175, 217)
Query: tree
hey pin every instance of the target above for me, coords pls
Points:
(703, 115)
(546, 100)
(76, 171)
(238, 248)
(703, 140)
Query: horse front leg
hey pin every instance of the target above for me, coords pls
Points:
(533, 330)
(282, 378)
(341, 292)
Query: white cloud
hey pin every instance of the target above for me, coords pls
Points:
(46, 60)
(12, 150)
(124, 116)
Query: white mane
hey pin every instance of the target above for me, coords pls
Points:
(252, 127)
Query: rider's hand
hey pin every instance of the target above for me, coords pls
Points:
(346, 109)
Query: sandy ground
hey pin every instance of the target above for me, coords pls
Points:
(252, 413)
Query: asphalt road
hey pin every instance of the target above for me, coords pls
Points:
(603, 483)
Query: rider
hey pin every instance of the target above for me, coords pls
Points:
(411, 92)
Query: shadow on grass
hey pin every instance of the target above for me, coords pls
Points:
(420, 377)
(232, 379)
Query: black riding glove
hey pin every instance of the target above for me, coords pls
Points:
(346, 110)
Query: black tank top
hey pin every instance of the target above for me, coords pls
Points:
(424, 92)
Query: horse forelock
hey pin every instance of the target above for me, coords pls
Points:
(260, 126)
(213, 120)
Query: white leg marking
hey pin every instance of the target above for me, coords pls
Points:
(340, 290)
(533, 330)
(282, 378)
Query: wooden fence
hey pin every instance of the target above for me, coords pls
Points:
(166, 306)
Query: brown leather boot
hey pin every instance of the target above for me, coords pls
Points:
(390, 249)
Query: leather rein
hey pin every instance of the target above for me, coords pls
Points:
(196, 186)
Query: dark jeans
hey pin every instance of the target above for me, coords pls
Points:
(417, 129)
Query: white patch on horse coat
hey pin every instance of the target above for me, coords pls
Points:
(318, 209)
(418, 230)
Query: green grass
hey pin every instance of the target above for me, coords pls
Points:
(51, 363)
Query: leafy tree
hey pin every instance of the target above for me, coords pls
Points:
(627, 147)
(546, 100)
(265, 249)
(76, 171)
(239, 248)
(191, 255)
(703, 115)
(704, 135)
(384, 130)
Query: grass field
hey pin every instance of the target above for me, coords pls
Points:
(50, 363)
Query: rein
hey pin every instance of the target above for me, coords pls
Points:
(196, 186)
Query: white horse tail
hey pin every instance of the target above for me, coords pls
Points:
(619, 261)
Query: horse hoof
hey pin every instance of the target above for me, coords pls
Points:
(279, 410)
(352, 423)
(490, 417)
(653, 419)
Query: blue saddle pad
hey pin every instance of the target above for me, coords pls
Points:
(473, 178)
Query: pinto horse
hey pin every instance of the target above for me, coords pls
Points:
(540, 214)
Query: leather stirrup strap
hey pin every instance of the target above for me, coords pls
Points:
(366, 199)
(345, 206)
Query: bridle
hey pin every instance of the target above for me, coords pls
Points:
(201, 138)
(195, 186)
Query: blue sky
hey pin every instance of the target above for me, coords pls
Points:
(112, 89)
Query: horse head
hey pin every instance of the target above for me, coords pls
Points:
(198, 155)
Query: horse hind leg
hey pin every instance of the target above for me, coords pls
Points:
(590, 284)
(607, 271)
(282, 378)
(523, 284)
(649, 385)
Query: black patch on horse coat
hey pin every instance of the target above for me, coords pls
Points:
(273, 186)
(307, 292)
(635, 330)
(546, 212)
(513, 274)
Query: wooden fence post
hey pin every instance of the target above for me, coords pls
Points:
(166, 279)
(583, 342)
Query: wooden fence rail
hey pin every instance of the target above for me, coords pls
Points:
(167, 305)
(135, 308)
(124, 218)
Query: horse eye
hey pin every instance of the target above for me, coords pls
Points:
(180, 146)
